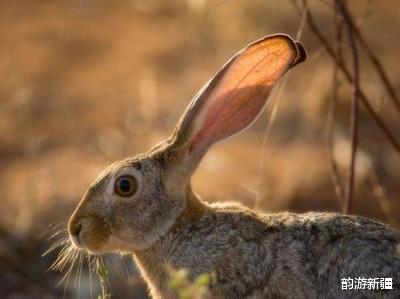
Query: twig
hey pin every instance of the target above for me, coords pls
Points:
(364, 99)
(354, 108)
(102, 273)
(337, 182)
(377, 64)
(303, 19)
(379, 192)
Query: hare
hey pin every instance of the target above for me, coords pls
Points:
(145, 206)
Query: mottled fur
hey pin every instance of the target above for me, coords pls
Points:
(165, 225)
(288, 255)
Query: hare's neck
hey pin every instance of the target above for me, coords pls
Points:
(153, 262)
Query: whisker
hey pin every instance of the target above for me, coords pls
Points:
(65, 256)
(51, 228)
(90, 276)
(118, 267)
(81, 257)
(55, 245)
(73, 259)
(56, 234)
(78, 257)
(64, 252)
(67, 276)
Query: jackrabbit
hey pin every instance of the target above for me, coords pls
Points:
(145, 206)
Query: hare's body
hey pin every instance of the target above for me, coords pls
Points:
(274, 255)
(144, 206)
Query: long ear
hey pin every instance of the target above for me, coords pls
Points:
(234, 97)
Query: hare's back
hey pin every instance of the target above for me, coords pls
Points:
(286, 253)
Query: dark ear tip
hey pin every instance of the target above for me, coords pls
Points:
(301, 54)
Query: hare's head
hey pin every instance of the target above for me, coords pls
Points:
(135, 201)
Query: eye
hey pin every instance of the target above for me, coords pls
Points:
(125, 185)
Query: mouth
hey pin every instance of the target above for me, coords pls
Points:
(76, 241)
(85, 245)
(78, 244)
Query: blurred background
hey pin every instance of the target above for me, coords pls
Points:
(84, 83)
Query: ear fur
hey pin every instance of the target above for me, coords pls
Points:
(233, 99)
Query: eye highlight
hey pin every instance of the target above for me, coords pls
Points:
(125, 185)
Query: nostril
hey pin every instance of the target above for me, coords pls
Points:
(76, 230)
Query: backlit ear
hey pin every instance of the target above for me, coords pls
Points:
(235, 96)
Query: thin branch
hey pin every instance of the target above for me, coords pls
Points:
(380, 194)
(303, 20)
(336, 180)
(102, 273)
(354, 108)
(364, 99)
(380, 69)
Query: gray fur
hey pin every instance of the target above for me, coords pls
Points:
(165, 225)
(283, 255)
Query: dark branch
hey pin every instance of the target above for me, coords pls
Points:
(364, 99)
(340, 6)
(337, 182)
(377, 64)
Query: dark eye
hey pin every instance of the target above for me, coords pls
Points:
(125, 185)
